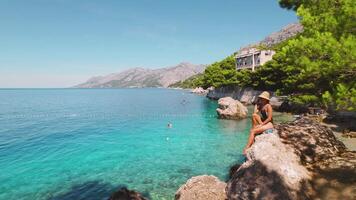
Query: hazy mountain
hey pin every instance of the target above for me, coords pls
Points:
(141, 77)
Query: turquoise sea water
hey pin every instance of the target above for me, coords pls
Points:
(85, 143)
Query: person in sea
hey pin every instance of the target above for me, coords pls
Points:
(261, 118)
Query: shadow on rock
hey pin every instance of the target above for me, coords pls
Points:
(259, 182)
(311, 141)
(333, 166)
(336, 178)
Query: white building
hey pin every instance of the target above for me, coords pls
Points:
(250, 58)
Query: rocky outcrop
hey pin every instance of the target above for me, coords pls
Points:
(125, 194)
(199, 90)
(301, 160)
(333, 166)
(202, 188)
(272, 171)
(231, 109)
(311, 141)
(244, 95)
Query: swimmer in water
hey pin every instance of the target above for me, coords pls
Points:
(169, 125)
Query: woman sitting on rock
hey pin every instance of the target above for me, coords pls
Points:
(261, 118)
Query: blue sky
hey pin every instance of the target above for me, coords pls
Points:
(59, 43)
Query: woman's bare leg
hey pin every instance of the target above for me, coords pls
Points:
(256, 120)
(254, 132)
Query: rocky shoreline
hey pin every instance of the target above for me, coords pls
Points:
(300, 160)
(248, 96)
(245, 95)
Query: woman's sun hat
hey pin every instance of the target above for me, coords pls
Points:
(264, 95)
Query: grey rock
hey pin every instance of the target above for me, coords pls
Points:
(230, 108)
(272, 171)
(310, 140)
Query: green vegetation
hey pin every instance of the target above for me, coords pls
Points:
(317, 67)
(191, 82)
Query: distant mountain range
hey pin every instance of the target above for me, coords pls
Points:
(164, 77)
(142, 77)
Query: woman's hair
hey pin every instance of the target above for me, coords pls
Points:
(260, 103)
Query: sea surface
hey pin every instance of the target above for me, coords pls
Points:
(59, 144)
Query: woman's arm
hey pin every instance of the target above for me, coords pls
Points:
(255, 110)
(269, 117)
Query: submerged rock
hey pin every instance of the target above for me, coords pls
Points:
(202, 188)
(230, 108)
(125, 194)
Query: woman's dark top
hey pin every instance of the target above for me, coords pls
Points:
(264, 115)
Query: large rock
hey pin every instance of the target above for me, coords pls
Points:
(202, 188)
(231, 109)
(272, 171)
(311, 141)
(332, 164)
(199, 90)
(301, 160)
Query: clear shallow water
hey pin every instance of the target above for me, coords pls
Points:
(85, 143)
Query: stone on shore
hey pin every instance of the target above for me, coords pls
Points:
(199, 90)
(230, 108)
(202, 188)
